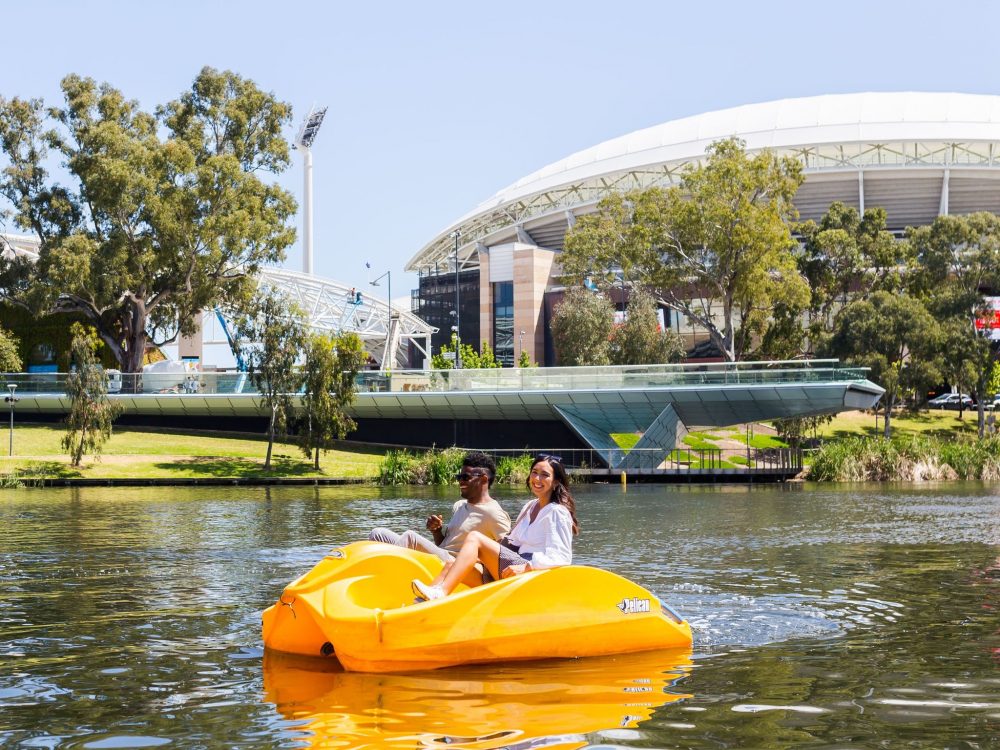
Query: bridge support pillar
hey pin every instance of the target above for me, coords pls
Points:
(659, 438)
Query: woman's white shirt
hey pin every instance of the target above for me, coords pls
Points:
(549, 538)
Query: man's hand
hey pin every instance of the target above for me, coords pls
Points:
(435, 523)
(515, 570)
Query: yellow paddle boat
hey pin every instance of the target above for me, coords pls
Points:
(357, 605)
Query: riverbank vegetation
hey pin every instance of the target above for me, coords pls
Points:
(440, 467)
(906, 458)
(926, 446)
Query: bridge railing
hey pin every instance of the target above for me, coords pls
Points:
(786, 461)
(502, 379)
(612, 377)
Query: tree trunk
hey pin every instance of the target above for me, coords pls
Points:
(270, 440)
(130, 349)
(78, 453)
(981, 405)
(729, 344)
(316, 465)
(888, 416)
(135, 340)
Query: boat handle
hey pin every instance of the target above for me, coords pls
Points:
(672, 613)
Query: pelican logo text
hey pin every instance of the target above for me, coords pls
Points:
(633, 606)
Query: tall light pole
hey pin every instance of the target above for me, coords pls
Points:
(11, 399)
(520, 345)
(458, 308)
(388, 330)
(303, 142)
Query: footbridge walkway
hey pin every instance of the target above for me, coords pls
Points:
(662, 403)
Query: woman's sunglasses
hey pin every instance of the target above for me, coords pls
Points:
(550, 458)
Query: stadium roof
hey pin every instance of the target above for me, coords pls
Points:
(834, 133)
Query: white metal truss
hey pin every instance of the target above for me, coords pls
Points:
(584, 194)
(334, 308)
(329, 306)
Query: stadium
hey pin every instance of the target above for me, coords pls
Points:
(917, 155)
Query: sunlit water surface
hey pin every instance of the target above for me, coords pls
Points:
(854, 617)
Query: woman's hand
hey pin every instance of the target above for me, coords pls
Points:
(515, 570)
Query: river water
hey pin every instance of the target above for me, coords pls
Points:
(859, 616)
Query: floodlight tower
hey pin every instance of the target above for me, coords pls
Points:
(303, 142)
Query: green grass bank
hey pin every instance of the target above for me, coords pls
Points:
(155, 453)
(929, 445)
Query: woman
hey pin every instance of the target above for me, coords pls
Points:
(541, 538)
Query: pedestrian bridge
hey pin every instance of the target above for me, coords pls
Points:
(660, 402)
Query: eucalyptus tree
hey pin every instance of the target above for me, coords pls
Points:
(328, 374)
(91, 413)
(162, 214)
(957, 265)
(847, 256)
(639, 339)
(717, 248)
(271, 339)
(895, 336)
(582, 325)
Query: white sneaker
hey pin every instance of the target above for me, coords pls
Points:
(426, 591)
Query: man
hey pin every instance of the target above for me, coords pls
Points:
(476, 511)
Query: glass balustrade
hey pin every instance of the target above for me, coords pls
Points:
(494, 380)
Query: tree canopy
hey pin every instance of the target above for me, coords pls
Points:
(484, 359)
(956, 260)
(10, 360)
(328, 373)
(847, 256)
(717, 248)
(581, 328)
(639, 339)
(162, 214)
(896, 337)
(272, 337)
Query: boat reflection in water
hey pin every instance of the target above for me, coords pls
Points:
(550, 704)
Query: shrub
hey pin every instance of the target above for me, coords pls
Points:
(442, 466)
(513, 469)
(906, 458)
(396, 468)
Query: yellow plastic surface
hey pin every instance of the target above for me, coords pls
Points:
(551, 704)
(357, 604)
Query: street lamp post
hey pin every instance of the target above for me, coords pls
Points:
(388, 285)
(11, 399)
(458, 308)
(520, 346)
(388, 288)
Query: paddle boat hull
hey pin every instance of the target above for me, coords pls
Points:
(356, 605)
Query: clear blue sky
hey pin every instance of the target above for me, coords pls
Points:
(435, 106)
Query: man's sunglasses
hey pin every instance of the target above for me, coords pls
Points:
(465, 476)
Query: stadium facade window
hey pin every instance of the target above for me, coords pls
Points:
(434, 302)
(503, 322)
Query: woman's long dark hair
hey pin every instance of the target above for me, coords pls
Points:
(560, 487)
